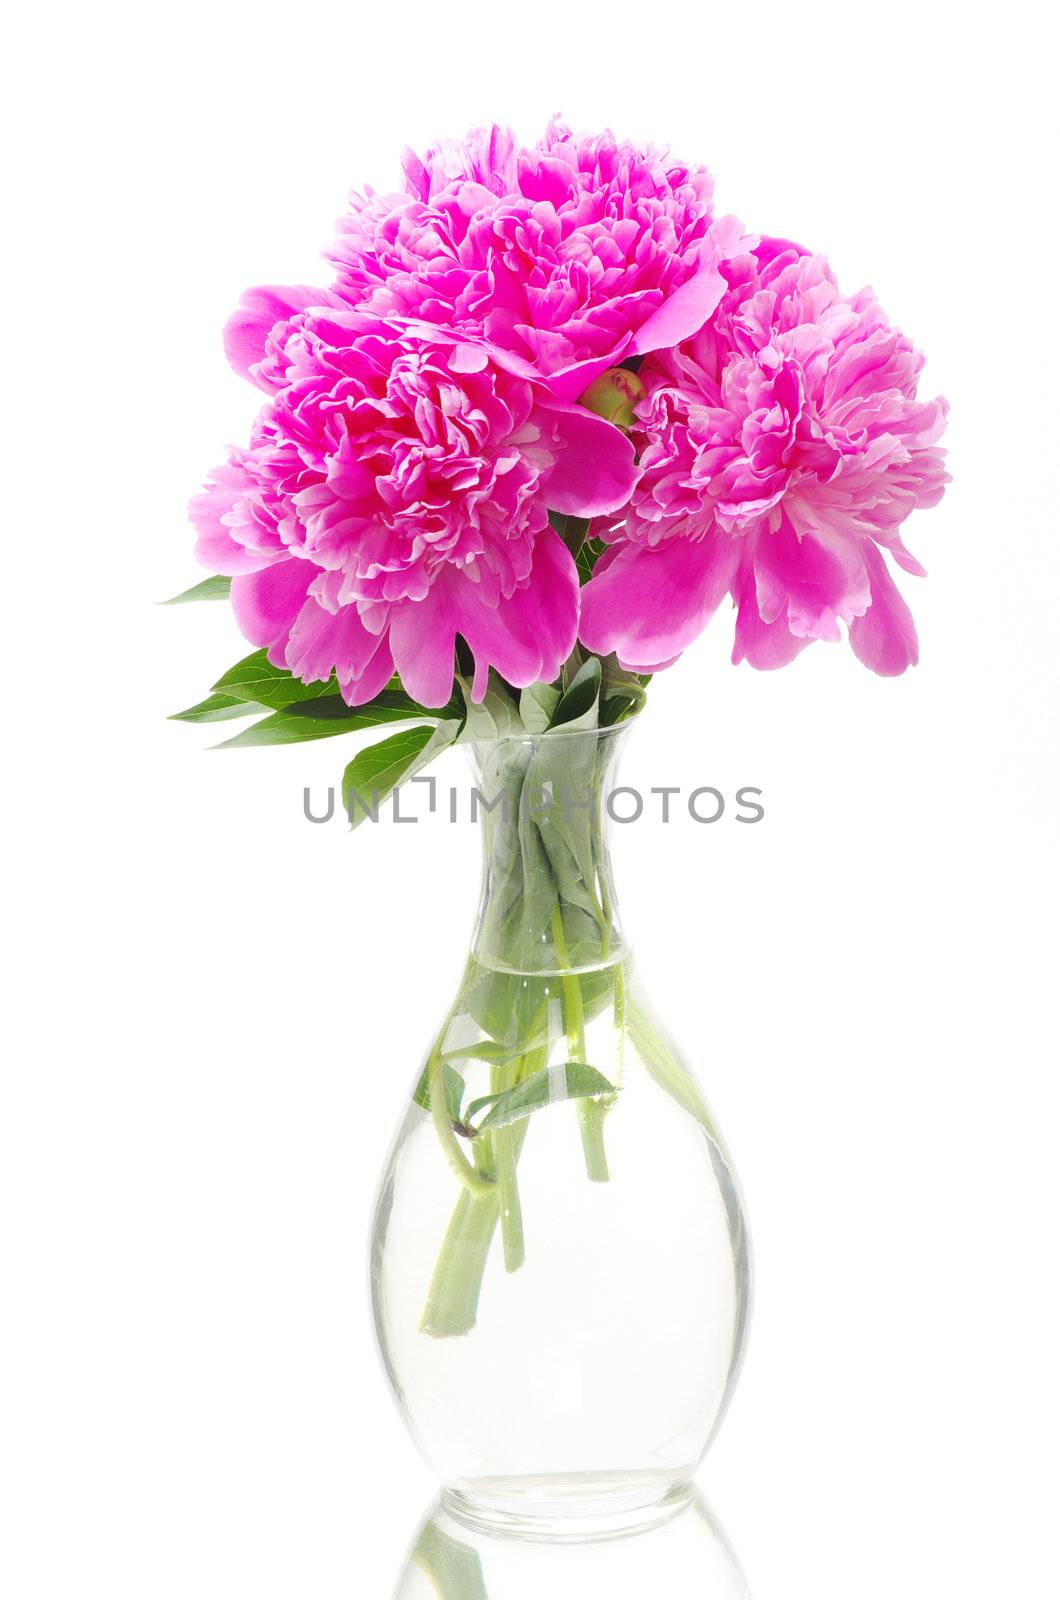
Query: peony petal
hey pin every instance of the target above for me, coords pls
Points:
(216, 549)
(687, 311)
(884, 638)
(377, 673)
(550, 602)
(266, 604)
(557, 252)
(892, 543)
(684, 312)
(810, 582)
(651, 602)
(322, 642)
(525, 637)
(214, 545)
(497, 635)
(528, 636)
(567, 383)
(259, 311)
(422, 640)
(596, 471)
(764, 645)
(468, 358)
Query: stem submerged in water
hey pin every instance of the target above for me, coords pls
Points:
(508, 1195)
(478, 1182)
(591, 1113)
(453, 1297)
(505, 1154)
(545, 944)
(452, 1301)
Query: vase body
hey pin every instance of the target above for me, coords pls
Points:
(560, 1268)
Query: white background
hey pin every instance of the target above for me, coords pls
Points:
(216, 1009)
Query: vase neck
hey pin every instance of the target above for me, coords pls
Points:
(548, 897)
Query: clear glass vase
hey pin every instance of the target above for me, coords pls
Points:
(560, 1268)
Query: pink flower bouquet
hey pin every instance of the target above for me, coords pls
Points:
(547, 414)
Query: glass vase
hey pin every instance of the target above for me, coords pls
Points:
(560, 1268)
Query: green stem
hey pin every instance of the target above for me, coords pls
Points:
(619, 972)
(504, 1158)
(590, 1112)
(453, 1297)
(478, 1183)
(452, 1300)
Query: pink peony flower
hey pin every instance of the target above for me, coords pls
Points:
(393, 495)
(566, 258)
(781, 448)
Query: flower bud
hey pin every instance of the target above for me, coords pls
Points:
(614, 395)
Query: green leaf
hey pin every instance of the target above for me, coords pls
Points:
(496, 716)
(572, 666)
(522, 889)
(575, 1081)
(328, 715)
(576, 534)
(622, 693)
(497, 1055)
(540, 895)
(537, 706)
(588, 556)
(452, 1085)
(572, 530)
(208, 589)
(333, 708)
(217, 708)
(568, 767)
(381, 768)
(502, 769)
(256, 679)
(578, 705)
(298, 725)
(510, 1006)
(389, 705)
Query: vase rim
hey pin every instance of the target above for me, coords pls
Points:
(526, 737)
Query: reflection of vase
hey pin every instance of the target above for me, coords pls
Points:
(560, 1269)
(683, 1556)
